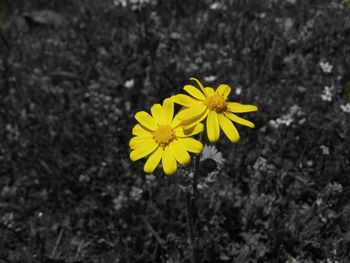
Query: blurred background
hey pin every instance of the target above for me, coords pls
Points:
(74, 73)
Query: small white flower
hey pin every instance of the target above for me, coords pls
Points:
(288, 118)
(150, 177)
(327, 93)
(119, 201)
(333, 188)
(310, 163)
(295, 109)
(7, 219)
(260, 164)
(262, 15)
(202, 186)
(210, 78)
(134, 4)
(273, 124)
(136, 193)
(238, 90)
(122, 3)
(84, 178)
(175, 35)
(345, 108)
(325, 149)
(210, 151)
(216, 6)
(129, 83)
(326, 67)
(139, 4)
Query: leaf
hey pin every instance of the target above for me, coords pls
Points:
(243, 256)
(261, 250)
(46, 18)
(224, 257)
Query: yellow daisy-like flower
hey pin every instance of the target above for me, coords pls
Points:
(213, 105)
(160, 137)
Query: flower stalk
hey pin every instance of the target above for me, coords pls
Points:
(191, 226)
(192, 221)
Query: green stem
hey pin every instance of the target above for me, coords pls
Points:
(191, 228)
(192, 221)
(195, 177)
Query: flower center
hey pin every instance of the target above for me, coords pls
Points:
(164, 135)
(216, 103)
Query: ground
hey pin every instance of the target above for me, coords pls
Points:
(74, 73)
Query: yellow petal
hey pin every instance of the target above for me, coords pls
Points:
(200, 85)
(181, 132)
(228, 128)
(195, 130)
(241, 108)
(156, 111)
(146, 120)
(139, 140)
(213, 128)
(209, 91)
(192, 145)
(192, 112)
(140, 131)
(224, 90)
(190, 123)
(143, 151)
(153, 160)
(239, 120)
(179, 152)
(168, 111)
(185, 100)
(176, 122)
(168, 162)
(194, 92)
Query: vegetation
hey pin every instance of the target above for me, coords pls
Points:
(74, 73)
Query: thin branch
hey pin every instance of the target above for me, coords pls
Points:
(5, 41)
(190, 226)
(58, 241)
(154, 232)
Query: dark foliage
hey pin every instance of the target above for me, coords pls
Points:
(73, 74)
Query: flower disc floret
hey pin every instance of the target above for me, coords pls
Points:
(164, 135)
(216, 103)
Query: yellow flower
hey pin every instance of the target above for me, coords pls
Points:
(160, 137)
(213, 105)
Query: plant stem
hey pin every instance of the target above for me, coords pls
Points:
(195, 177)
(190, 226)
(192, 213)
